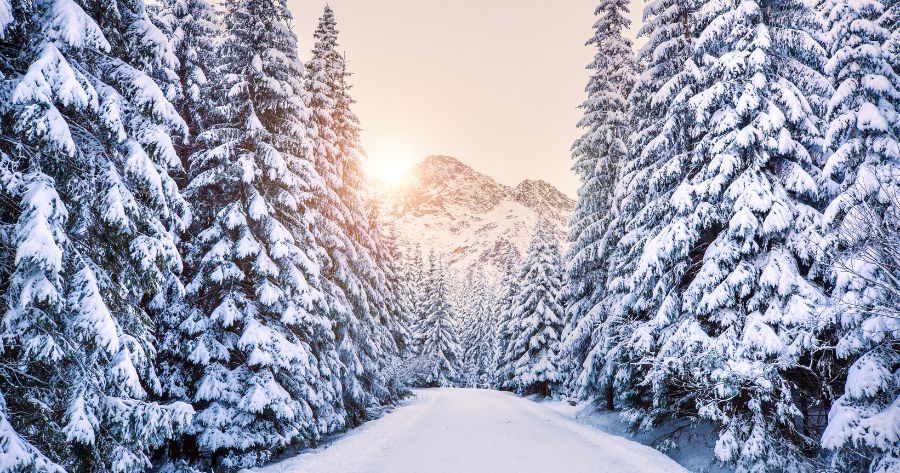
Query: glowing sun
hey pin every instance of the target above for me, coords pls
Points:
(390, 164)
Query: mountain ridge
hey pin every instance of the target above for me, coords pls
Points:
(468, 217)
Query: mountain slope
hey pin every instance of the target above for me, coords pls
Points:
(468, 217)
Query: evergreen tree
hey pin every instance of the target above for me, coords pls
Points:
(507, 327)
(396, 290)
(192, 27)
(599, 155)
(468, 326)
(724, 293)
(440, 340)
(539, 316)
(479, 336)
(384, 292)
(353, 279)
(416, 276)
(861, 225)
(86, 155)
(659, 157)
(890, 21)
(254, 352)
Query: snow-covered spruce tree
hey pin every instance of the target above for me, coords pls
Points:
(890, 21)
(726, 285)
(862, 225)
(862, 423)
(507, 327)
(440, 338)
(416, 275)
(192, 27)
(458, 294)
(386, 291)
(193, 30)
(479, 333)
(18, 453)
(599, 155)
(539, 315)
(353, 280)
(467, 322)
(658, 160)
(254, 352)
(88, 163)
(398, 298)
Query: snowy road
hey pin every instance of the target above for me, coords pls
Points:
(477, 431)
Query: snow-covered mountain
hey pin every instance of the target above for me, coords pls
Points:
(468, 217)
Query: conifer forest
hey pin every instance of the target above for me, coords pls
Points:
(196, 276)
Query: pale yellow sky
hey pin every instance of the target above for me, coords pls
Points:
(495, 83)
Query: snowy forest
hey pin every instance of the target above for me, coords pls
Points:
(194, 277)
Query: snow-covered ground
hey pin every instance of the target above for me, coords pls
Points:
(477, 431)
(691, 445)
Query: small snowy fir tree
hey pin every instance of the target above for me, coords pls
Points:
(467, 321)
(440, 339)
(507, 327)
(599, 155)
(478, 344)
(416, 275)
(254, 352)
(354, 280)
(96, 216)
(862, 226)
(539, 315)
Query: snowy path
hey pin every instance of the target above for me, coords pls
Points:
(477, 431)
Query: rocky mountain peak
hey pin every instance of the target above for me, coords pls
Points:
(441, 181)
(541, 196)
(470, 218)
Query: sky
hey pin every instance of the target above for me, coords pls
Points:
(494, 83)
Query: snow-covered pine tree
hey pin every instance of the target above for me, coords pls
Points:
(507, 326)
(440, 339)
(353, 280)
(193, 28)
(467, 317)
(396, 289)
(726, 281)
(255, 352)
(486, 341)
(479, 333)
(457, 292)
(415, 275)
(387, 322)
(539, 315)
(658, 160)
(17, 452)
(88, 164)
(862, 224)
(890, 21)
(599, 155)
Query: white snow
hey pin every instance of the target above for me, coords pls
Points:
(473, 431)
(691, 446)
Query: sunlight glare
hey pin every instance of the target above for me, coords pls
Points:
(390, 163)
